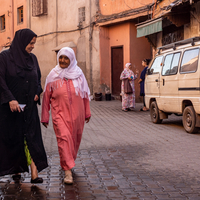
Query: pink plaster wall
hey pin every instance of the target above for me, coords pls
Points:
(105, 67)
(140, 49)
(135, 50)
(113, 36)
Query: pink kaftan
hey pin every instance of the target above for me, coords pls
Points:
(128, 100)
(69, 112)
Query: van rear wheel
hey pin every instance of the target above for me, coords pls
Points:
(189, 119)
(154, 112)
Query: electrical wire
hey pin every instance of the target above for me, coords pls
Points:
(50, 33)
(127, 5)
(141, 3)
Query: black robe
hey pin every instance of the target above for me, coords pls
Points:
(15, 126)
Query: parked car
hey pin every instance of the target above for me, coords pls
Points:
(172, 84)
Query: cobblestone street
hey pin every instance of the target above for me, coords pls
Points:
(123, 155)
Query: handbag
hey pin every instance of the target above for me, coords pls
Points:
(127, 87)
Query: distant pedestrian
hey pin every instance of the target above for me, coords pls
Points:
(141, 81)
(67, 91)
(128, 100)
(20, 87)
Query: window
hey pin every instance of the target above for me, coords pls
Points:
(20, 13)
(39, 7)
(167, 64)
(170, 66)
(155, 67)
(2, 23)
(81, 12)
(189, 61)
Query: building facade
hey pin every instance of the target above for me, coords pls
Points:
(13, 16)
(118, 42)
(61, 23)
(105, 34)
(171, 22)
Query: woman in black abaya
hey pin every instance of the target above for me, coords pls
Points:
(20, 130)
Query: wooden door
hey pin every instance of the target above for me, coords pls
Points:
(117, 68)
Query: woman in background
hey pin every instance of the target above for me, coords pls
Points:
(128, 100)
(141, 81)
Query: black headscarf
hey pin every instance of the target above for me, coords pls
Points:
(20, 56)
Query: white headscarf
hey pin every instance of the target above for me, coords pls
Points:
(127, 66)
(72, 72)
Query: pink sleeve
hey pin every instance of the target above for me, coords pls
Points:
(87, 108)
(46, 105)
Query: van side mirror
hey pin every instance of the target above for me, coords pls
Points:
(148, 71)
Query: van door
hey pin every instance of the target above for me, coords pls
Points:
(189, 78)
(152, 82)
(169, 83)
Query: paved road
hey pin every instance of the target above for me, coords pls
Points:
(123, 155)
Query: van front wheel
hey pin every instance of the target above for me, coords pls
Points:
(154, 112)
(189, 119)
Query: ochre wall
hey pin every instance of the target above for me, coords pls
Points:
(140, 49)
(10, 15)
(113, 36)
(109, 7)
(134, 51)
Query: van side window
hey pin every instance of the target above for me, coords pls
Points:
(155, 67)
(189, 61)
(174, 66)
(170, 66)
(167, 64)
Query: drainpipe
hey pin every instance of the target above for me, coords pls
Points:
(29, 14)
(12, 19)
(56, 23)
(90, 49)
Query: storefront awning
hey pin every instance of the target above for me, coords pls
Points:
(149, 28)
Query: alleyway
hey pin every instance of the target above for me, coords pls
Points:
(123, 155)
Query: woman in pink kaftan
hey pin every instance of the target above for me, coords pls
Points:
(67, 91)
(128, 100)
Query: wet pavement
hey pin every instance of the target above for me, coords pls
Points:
(123, 155)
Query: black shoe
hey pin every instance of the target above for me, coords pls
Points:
(16, 177)
(37, 180)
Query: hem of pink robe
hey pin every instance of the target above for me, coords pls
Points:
(44, 122)
(87, 116)
(65, 168)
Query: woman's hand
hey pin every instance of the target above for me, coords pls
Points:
(14, 106)
(87, 119)
(45, 124)
(140, 80)
(137, 71)
(36, 98)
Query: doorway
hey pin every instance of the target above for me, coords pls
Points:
(117, 68)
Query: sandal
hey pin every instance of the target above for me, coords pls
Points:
(16, 177)
(37, 180)
(125, 110)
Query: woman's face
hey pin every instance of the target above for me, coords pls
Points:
(64, 61)
(30, 46)
(144, 64)
(129, 66)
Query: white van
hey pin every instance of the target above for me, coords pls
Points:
(172, 84)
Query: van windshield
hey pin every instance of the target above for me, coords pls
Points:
(155, 67)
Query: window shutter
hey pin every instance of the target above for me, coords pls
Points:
(39, 7)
